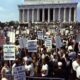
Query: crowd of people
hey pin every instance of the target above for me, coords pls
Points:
(63, 62)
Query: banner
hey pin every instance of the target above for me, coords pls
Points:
(58, 41)
(48, 43)
(32, 45)
(19, 73)
(40, 35)
(23, 42)
(9, 52)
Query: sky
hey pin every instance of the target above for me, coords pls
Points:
(9, 10)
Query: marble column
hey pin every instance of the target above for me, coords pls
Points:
(48, 15)
(32, 15)
(23, 16)
(75, 14)
(27, 15)
(69, 14)
(59, 14)
(53, 14)
(64, 15)
(37, 14)
(20, 16)
(43, 15)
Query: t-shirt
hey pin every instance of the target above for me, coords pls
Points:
(27, 58)
(75, 65)
(7, 72)
(45, 68)
(30, 69)
(78, 72)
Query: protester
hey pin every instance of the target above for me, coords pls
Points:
(75, 65)
(44, 70)
(5, 71)
(59, 59)
(29, 67)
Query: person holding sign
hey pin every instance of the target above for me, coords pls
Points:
(29, 67)
(5, 71)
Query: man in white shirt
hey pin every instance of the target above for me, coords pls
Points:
(78, 73)
(44, 70)
(76, 66)
(29, 67)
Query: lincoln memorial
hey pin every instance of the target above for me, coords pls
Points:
(47, 11)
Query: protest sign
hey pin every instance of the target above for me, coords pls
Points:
(45, 37)
(40, 35)
(48, 43)
(78, 38)
(23, 42)
(11, 36)
(32, 45)
(9, 52)
(58, 41)
(19, 73)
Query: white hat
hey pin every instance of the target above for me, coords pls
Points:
(59, 63)
(54, 53)
(25, 58)
(70, 48)
(79, 42)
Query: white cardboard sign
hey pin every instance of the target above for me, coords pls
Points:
(32, 45)
(40, 35)
(23, 42)
(58, 41)
(11, 36)
(48, 43)
(9, 52)
(19, 73)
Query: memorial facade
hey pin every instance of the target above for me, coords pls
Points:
(47, 11)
